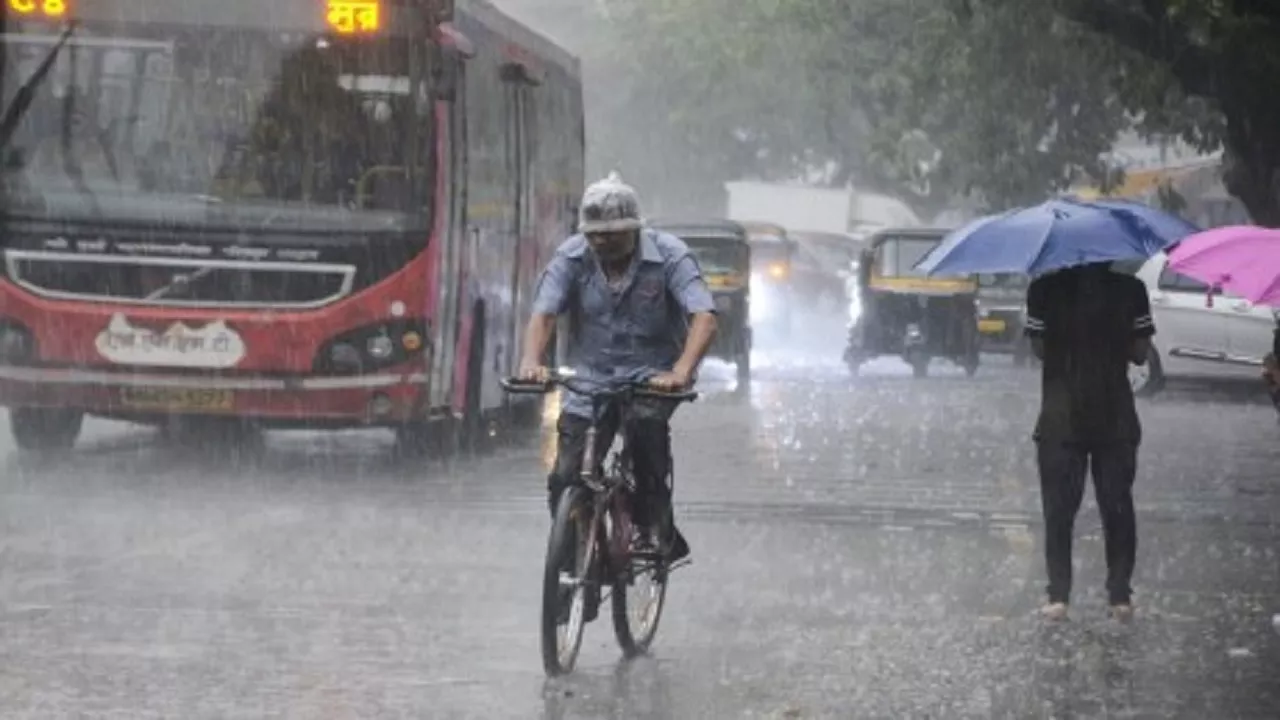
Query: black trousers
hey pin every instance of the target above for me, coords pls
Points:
(648, 436)
(1063, 467)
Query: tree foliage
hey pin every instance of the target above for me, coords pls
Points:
(923, 99)
(998, 101)
(1201, 69)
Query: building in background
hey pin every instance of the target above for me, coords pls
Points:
(803, 207)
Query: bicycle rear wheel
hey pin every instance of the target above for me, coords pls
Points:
(565, 583)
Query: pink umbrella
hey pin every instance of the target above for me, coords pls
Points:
(1241, 259)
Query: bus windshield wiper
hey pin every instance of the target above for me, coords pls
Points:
(26, 94)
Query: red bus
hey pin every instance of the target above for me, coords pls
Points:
(302, 213)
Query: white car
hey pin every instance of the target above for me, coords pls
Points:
(1198, 334)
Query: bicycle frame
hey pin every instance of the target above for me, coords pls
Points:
(606, 500)
(605, 484)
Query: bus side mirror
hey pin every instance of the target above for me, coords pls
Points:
(447, 77)
(452, 49)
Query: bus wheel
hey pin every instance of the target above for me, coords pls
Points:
(472, 431)
(45, 429)
(427, 439)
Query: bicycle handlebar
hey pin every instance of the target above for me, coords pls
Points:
(635, 389)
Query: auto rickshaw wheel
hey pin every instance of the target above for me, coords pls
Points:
(1021, 352)
(973, 359)
(855, 367)
(919, 364)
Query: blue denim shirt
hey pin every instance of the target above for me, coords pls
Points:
(634, 332)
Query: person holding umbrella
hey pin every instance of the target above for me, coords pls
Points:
(1086, 325)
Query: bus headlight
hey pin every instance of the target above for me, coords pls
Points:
(380, 347)
(344, 357)
(373, 347)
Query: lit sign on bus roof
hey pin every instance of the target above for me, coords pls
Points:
(39, 8)
(346, 17)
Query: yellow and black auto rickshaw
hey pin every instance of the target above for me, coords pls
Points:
(901, 311)
(1002, 303)
(773, 255)
(724, 256)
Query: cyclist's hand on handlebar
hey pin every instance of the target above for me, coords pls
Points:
(671, 381)
(532, 372)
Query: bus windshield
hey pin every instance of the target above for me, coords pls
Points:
(139, 120)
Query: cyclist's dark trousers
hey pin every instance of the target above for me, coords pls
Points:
(1063, 467)
(648, 435)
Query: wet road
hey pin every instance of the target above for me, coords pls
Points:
(862, 549)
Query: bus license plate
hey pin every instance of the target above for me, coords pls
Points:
(177, 399)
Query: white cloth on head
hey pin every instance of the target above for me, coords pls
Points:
(609, 205)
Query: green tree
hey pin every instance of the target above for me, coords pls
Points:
(1002, 101)
(917, 98)
(1202, 69)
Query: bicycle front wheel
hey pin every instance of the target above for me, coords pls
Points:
(565, 583)
(639, 595)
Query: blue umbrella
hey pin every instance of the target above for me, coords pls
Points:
(1054, 235)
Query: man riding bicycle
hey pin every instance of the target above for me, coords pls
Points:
(639, 311)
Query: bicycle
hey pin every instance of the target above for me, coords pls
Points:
(589, 545)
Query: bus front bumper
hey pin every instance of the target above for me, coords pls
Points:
(385, 398)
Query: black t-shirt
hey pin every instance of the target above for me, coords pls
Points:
(1088, 322)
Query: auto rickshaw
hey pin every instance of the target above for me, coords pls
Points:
(773, 255)
(901, 311)
(1002, 305)
(824, 266)
(724, 256)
